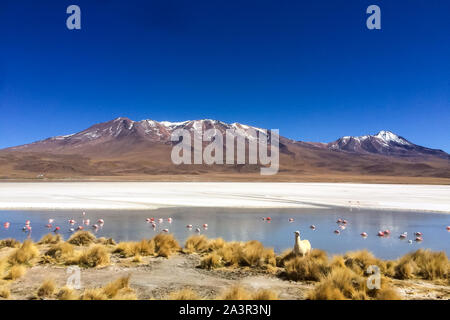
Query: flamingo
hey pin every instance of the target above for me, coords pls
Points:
(205, 225)
(342, 227)
(50, 221)
(344, 221)
(197, 230)
(189, 226)
(418, 239)
(86, 222)
(49, 226)
(387, 232)
(95, 227)
(72, 230)
(409, 241)
(337, 231)
(418, 234)
(403, 236)
(100, 221)
(56, 229)
(448, 228)
(72, 222)
(148, 220)
(80, 228)
(380, 233)
(165, 230)
(153, 225)
(312, 227)
(160, 220)
(268, 218)
(169, 220)
(339, 220)
(27, 223)
(6, 225)
(364, 234)
(291, 219)
(84, 213)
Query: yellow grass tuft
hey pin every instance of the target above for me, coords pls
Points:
(95, 256)
(93, 294)
(60, 252)
(196, 243)
(24, 254)
(5, 293)
(50, 239)
(265, 294)
(112, 288)
(16, 272)
(340, 284)
(235, 293)
(165, 245)
(66, 293)
(106, 241)
(184, 294)
(313, 266)
(82, 238)
(387, 294)
(9, 243)
(131, 249)
(211, 261)
(423, 264)
(46, 289)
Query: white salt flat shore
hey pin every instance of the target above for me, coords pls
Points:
(152, 195)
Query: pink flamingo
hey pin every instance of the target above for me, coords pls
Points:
(418, 234)
(80, 228)
(448, 228)
(205, 225)
(100, 221)
(169, 220)
(86, 222)
(380, 233)
(313, 227)
(337, 231)
(6, 225)
(56, 229)
(364, 234)
(291, 219)
(189, 226)
(50, 221)
(165, 230)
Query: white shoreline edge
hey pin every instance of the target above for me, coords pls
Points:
(258, 195)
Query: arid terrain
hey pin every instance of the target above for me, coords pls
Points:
(208, 269)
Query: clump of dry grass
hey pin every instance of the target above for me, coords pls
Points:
(211, 261)
(16, 272)
(10, 243)
(106, 241)
(387, 293)
(196, 243)
(184, 294)
(313, 266)
(59, 252)
(423, 264)
(265, 294)
(359, 261)
(5, 293)
(340, 284)
(82, 238)
(46, 289)
(244, 254)
(24, 254)
(95, 256)
(66, 293)
(115, 290)
(93, 294)
(165, 245)
(50, 239)
(131, 249)
(235, 293)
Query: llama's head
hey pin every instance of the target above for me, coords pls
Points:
(297, 233)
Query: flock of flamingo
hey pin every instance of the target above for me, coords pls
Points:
(342, 224)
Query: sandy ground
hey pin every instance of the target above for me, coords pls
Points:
(155, 278)
(152, 195)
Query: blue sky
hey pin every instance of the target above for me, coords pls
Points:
(310, 68)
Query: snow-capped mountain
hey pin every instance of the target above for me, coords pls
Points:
(383, 143)
(129, 132)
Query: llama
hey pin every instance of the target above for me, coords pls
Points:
(301, 247)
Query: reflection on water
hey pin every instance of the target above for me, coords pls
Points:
(247, 224)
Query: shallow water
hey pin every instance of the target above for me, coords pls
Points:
(247, 224)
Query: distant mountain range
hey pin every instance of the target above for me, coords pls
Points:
(140, 149)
